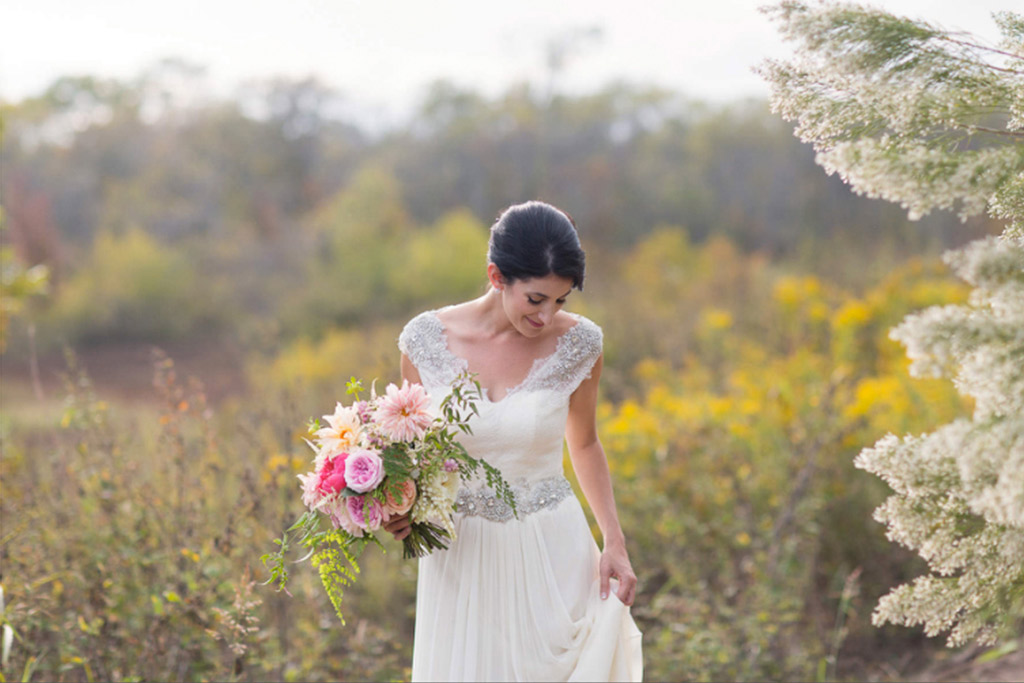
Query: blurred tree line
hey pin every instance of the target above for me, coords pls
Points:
(147, 196)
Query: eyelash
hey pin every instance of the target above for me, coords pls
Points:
(538, 303)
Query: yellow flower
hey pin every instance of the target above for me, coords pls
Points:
(715, 320)
(853, 314)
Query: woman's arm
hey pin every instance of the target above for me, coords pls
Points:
(409, 371)
(591, 466)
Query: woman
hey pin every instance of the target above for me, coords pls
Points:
(525, 596)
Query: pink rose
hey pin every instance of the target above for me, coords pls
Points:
(365, 511)
(408, 497)
(364, 470)
(341, 519)
(331, 477)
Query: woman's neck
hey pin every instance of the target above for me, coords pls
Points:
(491, 316)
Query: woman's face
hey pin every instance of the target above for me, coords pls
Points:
(531, 304)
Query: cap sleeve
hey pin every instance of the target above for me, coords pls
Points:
(582, 347)
(577, 351)
(422, 341)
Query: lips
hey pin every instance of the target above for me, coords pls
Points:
(536, 326)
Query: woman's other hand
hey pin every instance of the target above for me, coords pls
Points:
(399, 526)
(615, 564)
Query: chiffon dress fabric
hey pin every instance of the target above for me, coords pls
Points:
(516, 597)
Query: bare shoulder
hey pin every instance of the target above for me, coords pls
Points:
(564, 321)
(454, 312)
(457, 319)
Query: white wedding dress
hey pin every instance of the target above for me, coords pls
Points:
(516, 599)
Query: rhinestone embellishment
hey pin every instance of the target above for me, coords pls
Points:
(530, 498)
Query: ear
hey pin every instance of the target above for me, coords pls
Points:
(495, 277)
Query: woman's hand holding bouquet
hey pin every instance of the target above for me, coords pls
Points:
(378, 461)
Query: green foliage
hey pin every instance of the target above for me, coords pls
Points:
(315, 372)
(132, 287)
(652, 299)
(441, 263)
(372, 257)
(359, 231)
(457, 407)
(334, 574)
(18, 285)
(735, 480)
(398, 468)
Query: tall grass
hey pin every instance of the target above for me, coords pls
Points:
(131, 532)
(130, 549)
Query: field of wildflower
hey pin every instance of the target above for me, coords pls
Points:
(133, 529)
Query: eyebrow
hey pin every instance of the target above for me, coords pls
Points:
(545, 296)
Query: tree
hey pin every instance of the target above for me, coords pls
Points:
(910, 112)
(18, 285)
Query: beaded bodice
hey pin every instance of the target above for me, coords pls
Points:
(521, 434)
(424, 341)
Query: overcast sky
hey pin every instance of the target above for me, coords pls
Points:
(381, 53)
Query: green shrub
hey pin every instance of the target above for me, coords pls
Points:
(131, 287)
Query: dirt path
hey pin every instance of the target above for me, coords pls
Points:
(975, 664)
(124, 370)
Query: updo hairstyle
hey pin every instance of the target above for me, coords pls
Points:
(535, 239)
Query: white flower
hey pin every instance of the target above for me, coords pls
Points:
(343, 432)
(436, 500)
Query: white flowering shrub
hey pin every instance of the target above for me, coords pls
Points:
(912, 113)
(959, 491)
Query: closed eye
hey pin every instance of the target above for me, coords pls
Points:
(537, 302)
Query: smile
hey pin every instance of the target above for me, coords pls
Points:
(536, 325)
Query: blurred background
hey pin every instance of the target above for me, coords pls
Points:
(214, 215)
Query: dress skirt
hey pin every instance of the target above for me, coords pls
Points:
(519, 601)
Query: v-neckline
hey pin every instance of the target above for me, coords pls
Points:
(537, 364)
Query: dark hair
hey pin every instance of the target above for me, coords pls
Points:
(535, 239)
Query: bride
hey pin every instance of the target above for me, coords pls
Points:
(524, 596)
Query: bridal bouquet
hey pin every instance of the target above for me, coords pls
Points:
(377, 458)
